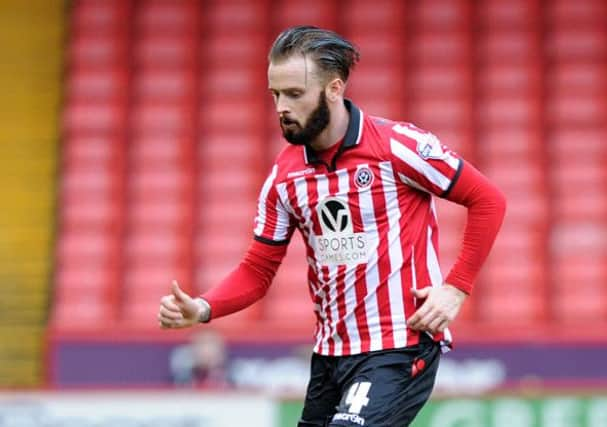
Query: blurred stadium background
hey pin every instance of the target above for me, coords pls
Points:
(135, 134)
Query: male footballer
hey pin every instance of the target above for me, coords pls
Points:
(360, 191)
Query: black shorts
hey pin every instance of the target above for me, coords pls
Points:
(384, 388)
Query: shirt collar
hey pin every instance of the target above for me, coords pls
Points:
(353, 133)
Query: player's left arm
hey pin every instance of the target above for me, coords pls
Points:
(486, 209)
(421, 161)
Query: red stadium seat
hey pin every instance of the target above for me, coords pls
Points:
(154, 242)
(232, 146)
(440, 47)
(521, 243)
(87, 246)
(238, 212)
(575, 13)
(510, 306)
(97, 83)
(440, 110)
(237, 15)
(578, 191)
(161, 16)
(88, 150)
(89, 49)
(511, 14)
(86, 210)
(587, 205)
(580, 293)
(514, 110)
(525, 174)
(379, 107)
(380, 48)
(163, 118)
(585, 77)
(84, 295)
(500, 79)
(245, 115)
(442, 14)
(100, 16)
(85, 116)
(577, 238)
(512, 143)
(576, 108)
(437, 79)
(172, 50)
(374, 78)
(221, 82)
(95, 278)
(233, 49)
(577, 43)
(155, 279)
(363, 15)
(159, 151)
(83, 311)
(320, 13)
(237, 192)
(165, 84)
(512, 285)
(92, 179)
(291, 311)
(161, 182)
(509, 46)
(160, 211)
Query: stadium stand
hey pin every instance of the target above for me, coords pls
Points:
(30, 72)
(576, 118)
(169, 132)
(509, 146)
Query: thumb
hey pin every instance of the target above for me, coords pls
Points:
(179, 295)
(421, 293)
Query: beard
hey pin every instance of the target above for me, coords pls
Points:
(318, 121)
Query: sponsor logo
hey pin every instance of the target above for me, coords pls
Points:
(429, 147)
(363, 177)
(353, 418)
(295, 174)
(338, 244)
(334, 216)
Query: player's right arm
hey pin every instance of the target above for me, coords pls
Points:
(250, 280)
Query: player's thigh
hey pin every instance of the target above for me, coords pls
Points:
(388, 390)
(322, 395)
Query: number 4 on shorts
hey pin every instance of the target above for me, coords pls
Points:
(357, 397)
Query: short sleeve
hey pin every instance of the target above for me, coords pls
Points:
(422, 162)
(273, 223)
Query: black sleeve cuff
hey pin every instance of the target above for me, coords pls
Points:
(454, 180)
(271, 242)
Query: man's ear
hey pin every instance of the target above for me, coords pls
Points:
(335, 89)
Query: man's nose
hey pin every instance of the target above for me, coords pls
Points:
(281, 106)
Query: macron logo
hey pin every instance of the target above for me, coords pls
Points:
(300, 173)
(353, 418)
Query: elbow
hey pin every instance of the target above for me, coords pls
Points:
(263, 289)
(501, 203)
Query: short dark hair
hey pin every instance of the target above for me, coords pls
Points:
(332, 53)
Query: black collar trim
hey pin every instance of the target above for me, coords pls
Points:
(352, 137)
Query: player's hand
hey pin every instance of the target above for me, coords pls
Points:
(178, 309)
(439, 310)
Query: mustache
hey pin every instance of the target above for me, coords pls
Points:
(287, 121)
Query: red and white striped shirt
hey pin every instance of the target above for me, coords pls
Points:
(370, 228)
